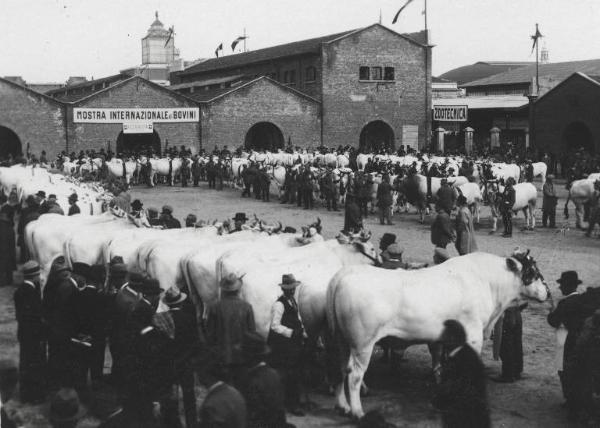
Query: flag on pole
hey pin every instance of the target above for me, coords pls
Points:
(236, 41)
(536, 37)
(171, 33)
(219, 48)
(401, 9)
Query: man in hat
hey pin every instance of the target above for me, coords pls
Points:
(549, 202)
(442, 234)
(227, 322)
(31, 333)
(166, 218)
(465, 231)
(238, 221)
(185, 348)
(571, 313)
(53, 207)
(73, 207)
(125, 300)
(136, 208)
(507, 202)
(59, 314)
(261, 385)
(384, 200)
(353, 222)
(65, 409)
(286, 338)
(40, 198)
(461, 396)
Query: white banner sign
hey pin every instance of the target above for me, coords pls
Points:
(450, 113)
(138, 127)
(122, 115)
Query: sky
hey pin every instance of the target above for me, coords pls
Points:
(50, 40)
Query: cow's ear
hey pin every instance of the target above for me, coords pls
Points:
(513, 265)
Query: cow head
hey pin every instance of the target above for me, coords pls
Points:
(532, 280)
(361, 243)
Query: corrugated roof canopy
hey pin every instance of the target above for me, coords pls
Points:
(560, 70)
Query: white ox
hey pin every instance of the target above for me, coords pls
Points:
(580, 193)
(121, 169)
(199, 267)
(413, 305)
(472, 193)
(162, 167)
(313, 265)
(502, 171)
(525, 200)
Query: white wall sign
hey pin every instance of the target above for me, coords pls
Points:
(122, 115)
(138, 127)
(450, 113)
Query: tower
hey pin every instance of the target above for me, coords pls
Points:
(158, 46)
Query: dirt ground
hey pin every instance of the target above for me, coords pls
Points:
(403, 395)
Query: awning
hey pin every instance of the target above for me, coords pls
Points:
(481, 103)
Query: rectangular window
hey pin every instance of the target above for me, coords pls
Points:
(389, 73)
(286, 77)
(363, 73)
(292, 77)
(376, 73)
(311, 74)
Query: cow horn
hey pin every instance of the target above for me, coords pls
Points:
(260, 224)
(278, 229)
(214, 222)
(318, 221)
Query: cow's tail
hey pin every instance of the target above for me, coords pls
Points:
(184, 266)
(566, 209)
(330, 303)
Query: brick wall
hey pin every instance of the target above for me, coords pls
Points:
(35, 119)
(227, 120)
(350, 104)
(577, 100)
(277, 66)
(135, 93)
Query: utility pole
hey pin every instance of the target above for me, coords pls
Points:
(537, 64)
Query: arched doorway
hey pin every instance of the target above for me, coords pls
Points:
(264, 136)
(577, 136)
(375, 136)
(136, 143)
(9, 143)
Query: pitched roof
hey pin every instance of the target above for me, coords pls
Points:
(70, 97)
(559, 70)
(31, 91)
(204, 96)
(595, 80)
(259, 55)
(309, 46)
(480, 70)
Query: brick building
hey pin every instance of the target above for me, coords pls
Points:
(370, 86)
(29, 119)
(567, 118)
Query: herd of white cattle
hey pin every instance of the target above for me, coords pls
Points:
(340, 284)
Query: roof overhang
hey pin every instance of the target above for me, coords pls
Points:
(508, 102)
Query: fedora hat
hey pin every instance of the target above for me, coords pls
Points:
(73, 197)
(31, 269)
(387, 239)
(137, 204)
(231, 283)
(173, 296)
(288, 281)
(41, 194)
(569, 277)
(240, 217)
(65, 406)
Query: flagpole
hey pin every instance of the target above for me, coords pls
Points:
(537, 64)
(426, 32)
(245, 40)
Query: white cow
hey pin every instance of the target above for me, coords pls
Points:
(162, 167)
(413, 305)
(525, 200)
(580, 193)
(115, 167)
(472, 192)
